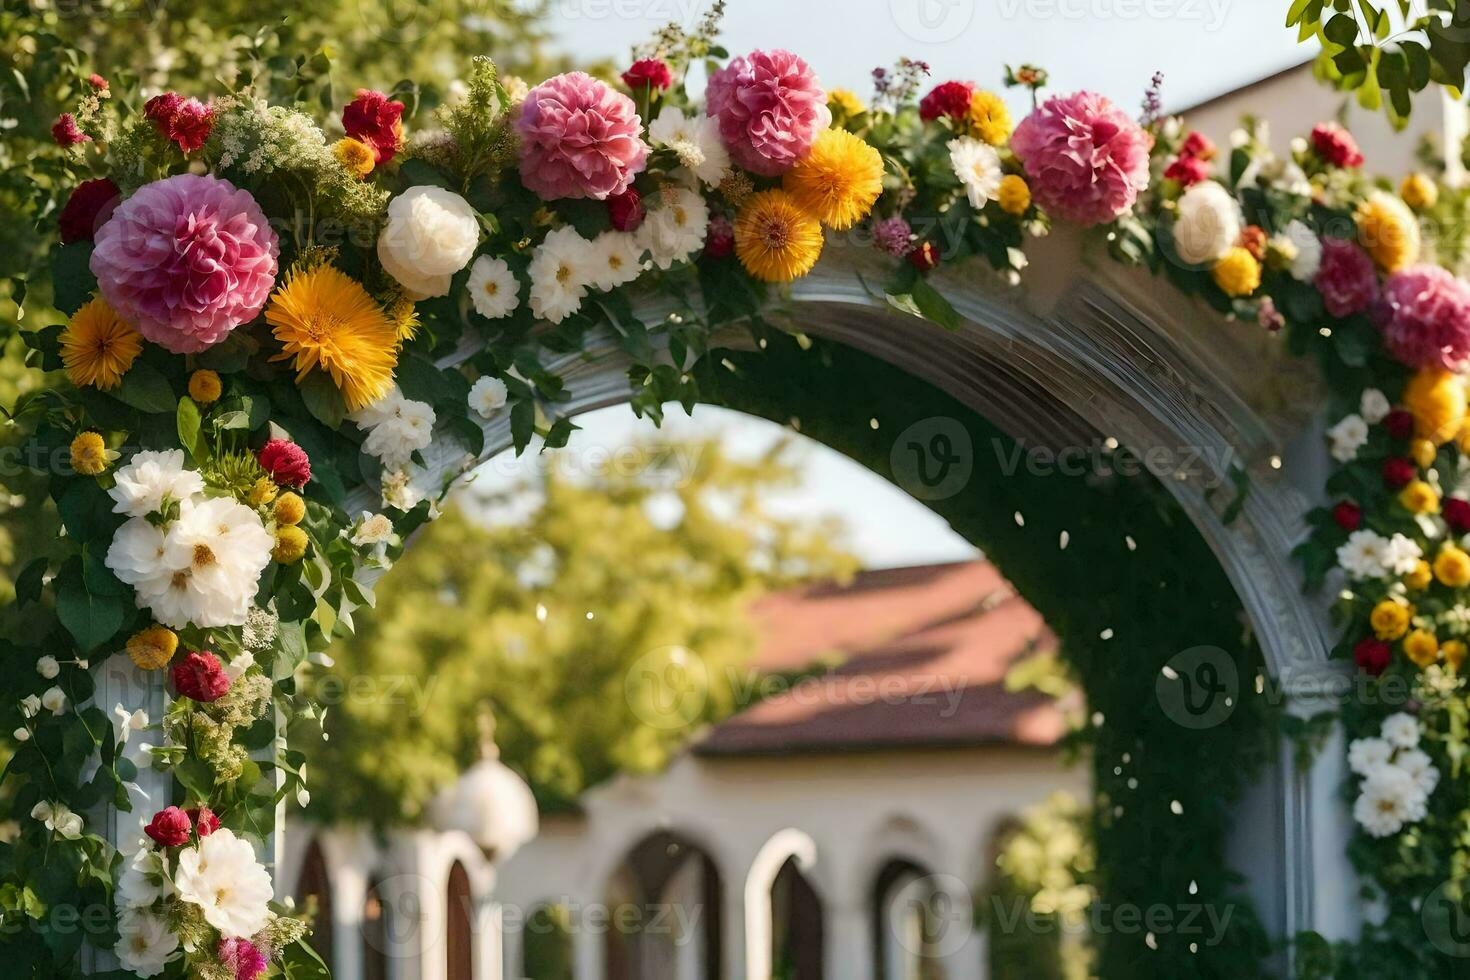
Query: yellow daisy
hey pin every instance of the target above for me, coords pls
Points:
(839, 181)
(1388, 230)
(989, 120)
(776, 239)
(98, 346)
(326, 321)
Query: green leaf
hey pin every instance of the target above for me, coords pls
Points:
(29, 582)
(190, 423)
(301, 962)
(925, 301)
(145, 388)
(323, 400)
(91, 619)
(522, 423)
(196, 776)
(71, 276)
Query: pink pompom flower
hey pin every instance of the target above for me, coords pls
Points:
(186, 260)
(950, 99)
(1335, 145)
(649, 73)
(66, 132)
(1345, 278)
(185, 121)
(770, 108)
(579, 138)
(1425, 318)
(286, 462)
(245, 959)
(1086, 158)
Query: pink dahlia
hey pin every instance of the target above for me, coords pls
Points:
(770, 108)
(186, 259)
(1087, 159)
(579, 138)
(242, 957)
(1425, 317)
(1345, 278)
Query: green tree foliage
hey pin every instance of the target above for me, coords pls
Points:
(603, 628)
(1385, 52)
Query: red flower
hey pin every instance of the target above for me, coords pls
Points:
(375, 119)
(1456, 512)
(66, 132)
(205, 822)
(650, 72)
(720, 240)
(97, 82)
(626, 210)
(169, 828)
(286, 462)
(1372, 655)
(1399, 424)
(950, 99)
(201, 676)
(1253, 240)
(1199, 146)
(1348, 515)
(924, 257)
(1188, 171)
(88, 208)
(1336, 145)
(1397, 472)
(185, 121)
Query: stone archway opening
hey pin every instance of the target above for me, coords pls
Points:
(663, 872)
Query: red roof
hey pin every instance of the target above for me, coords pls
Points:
(919, 658)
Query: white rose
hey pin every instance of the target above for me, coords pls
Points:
(431, 234)
(488, 396)
(1208, 223)
(48, 668)
(1374, 406)
(1347, 437)
(54, 701)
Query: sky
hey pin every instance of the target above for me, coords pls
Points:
(1203, 47)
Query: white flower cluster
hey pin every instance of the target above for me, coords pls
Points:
(1349, 435)
(192, 559)
(978, 167)
(1367, 555)
(257, 138)
(220, 875)
(695, 140)
(1209, 223)
(396, 428)
(1397, 777)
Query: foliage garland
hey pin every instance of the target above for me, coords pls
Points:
(254, 340)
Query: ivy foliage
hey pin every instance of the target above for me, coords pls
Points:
(1134, 586)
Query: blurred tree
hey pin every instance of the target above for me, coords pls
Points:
(604, 626)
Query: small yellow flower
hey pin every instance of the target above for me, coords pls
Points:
(98, 346)
(1390, 619)
(1452, 567)
(1238, 273)
(290, 545)
(1388, 231)
(153, 648)
(1421, 647)
(290, 509)
(90, 455)
(1424, 453)
(1462, 439)
(845, 104)
(1454, 652)
(1419, 191)
(989, 118)
(1436, 399)
(262, 493)
(1421, 577)
(405, 316)
(776, 239)
(1419, 498)
(1015, 195)
(355, 156)
(205, 387)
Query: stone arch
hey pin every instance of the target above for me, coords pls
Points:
(314, 883)
(459, 925)
(662, 871)
(785, 847)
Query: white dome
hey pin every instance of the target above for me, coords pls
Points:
(491, 804)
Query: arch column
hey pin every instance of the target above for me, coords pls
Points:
(589, 942)
(849, 939)
(732, 887)
(512, 943)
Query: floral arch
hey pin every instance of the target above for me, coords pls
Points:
(281, 350)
